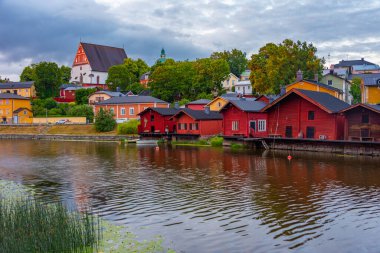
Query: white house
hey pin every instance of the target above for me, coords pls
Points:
(243, 87)
(91, 63)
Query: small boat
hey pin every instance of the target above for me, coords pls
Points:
(146, 142)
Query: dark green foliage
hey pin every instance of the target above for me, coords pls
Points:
(28, 225)
(129, 127)
(65, 74)
(39, 106)
(276, 65)
(81, 96)
(355, 90)
(104, 121)
(235, 58)
(216, 141)
(81, 111)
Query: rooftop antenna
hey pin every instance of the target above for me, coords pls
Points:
(328, 60)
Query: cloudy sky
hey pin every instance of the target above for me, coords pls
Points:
(50, 30)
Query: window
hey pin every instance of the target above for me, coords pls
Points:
(310, 131)
(182, 126)
(252, 125)
(235, 125)
(15, 92)
(262, 125)
(219, 104)
(329, 82)
(364, 132)
(310, 115)
(122, 111)
(233, 82)
(152, 118)
(25, 112)
(97, 79)
(112, 110)
(288, 132)
(365, 118)
(193, 126)
(132, 111)
(7, 102)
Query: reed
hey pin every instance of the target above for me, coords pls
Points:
(29, 225)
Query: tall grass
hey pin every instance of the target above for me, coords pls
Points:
(28, 225)
(129, 127)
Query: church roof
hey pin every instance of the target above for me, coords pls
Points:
(101, 58)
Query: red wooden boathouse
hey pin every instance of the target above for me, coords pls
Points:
(157, 121)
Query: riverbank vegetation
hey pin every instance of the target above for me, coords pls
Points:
(215, 141)
(129, 127)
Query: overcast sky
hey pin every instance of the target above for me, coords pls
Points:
(50, 30)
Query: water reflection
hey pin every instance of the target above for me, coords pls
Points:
(211, 200)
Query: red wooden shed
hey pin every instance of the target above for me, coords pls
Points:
(198, 104)
(242, 118)
(157, 120)
(306, 114)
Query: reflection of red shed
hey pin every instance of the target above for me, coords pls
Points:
(362, 122)
(157, 120)
(198, 123)
(198, 104)
(243, 118)
(306, 114)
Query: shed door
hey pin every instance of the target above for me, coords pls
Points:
(15, 119)
(310, 131)
(252, 126)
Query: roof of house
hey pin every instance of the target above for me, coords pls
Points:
(334, 75)
(200, 102)
(80, 87)
(247, 105)
(143, 76)
(12, 96)
(319, 84)
(243, 83)
(131, 100)
(101, 58)
(368, 79)
(16, 85)
(365, 67)
(200, 115)
(375, 108)
(110, 93)
(323, 100)
(271, 98)
(67, 85)
(162, 111)
(349, 63)
(229, 95)
(21, 109)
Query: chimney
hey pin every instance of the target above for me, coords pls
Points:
(316, 77)
(176, 105)
(299, 76)
(117, 89)
(362, 59)
(207, 109)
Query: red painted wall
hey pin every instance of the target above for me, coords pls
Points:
(293, 111)
(160, 123)
(354, 123)
(233, 113)
(199, 107)
(205, 127)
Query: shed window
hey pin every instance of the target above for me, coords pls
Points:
(132, 111)
(152, 118)
(262, 125)
(365, 118)
(310, 115)
(235, 125)
(289, 132)
(112, 111)
(329, 82)
(193, 126)
(122, 111)
(310, 132)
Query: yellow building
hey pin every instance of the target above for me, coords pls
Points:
(102, 95)
(370, 88)
(15, 109)
(218, 103)
(25, 89)
(315, 86)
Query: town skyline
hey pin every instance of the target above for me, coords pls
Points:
(52, 32)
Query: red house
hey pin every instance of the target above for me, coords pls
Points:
(198, 104)
(157, 121)
(196, 123)
(243, 118)
(306, 114)
(67, 92)
(362, 122)
(267, 98)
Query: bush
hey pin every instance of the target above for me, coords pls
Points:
(82, 111)
(55, 112)
(202, 142)
(129, 127)
(216, 141)
(104, 121)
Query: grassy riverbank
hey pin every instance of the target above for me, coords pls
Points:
(54, 129)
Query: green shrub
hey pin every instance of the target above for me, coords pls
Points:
(129, 127)
(216, 141)
(202, 142)
(236, 146)
(82, 111)
(104, 121)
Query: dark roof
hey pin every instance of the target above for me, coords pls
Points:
(229, 95)
(271, 98)
(248, 105)
(323, 100)
(350, 63)
(101, 58)
(142, 77)
(21, 109)
(110, 93)
(162, 111)
(375, 108)
(368, 79)
(16, 85)
(131, 100)
(11, 96)
(200, 102)
(320, 84)
(67, 85)
(200, 115)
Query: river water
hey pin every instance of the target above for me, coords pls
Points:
(209, 199)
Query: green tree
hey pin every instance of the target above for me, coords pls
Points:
(104, 121)
(276, 65)
(127, 74)
(65, 74)
(236, 59)
(81, 96)
(28, 73)
(82, 111)
(355, 90)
